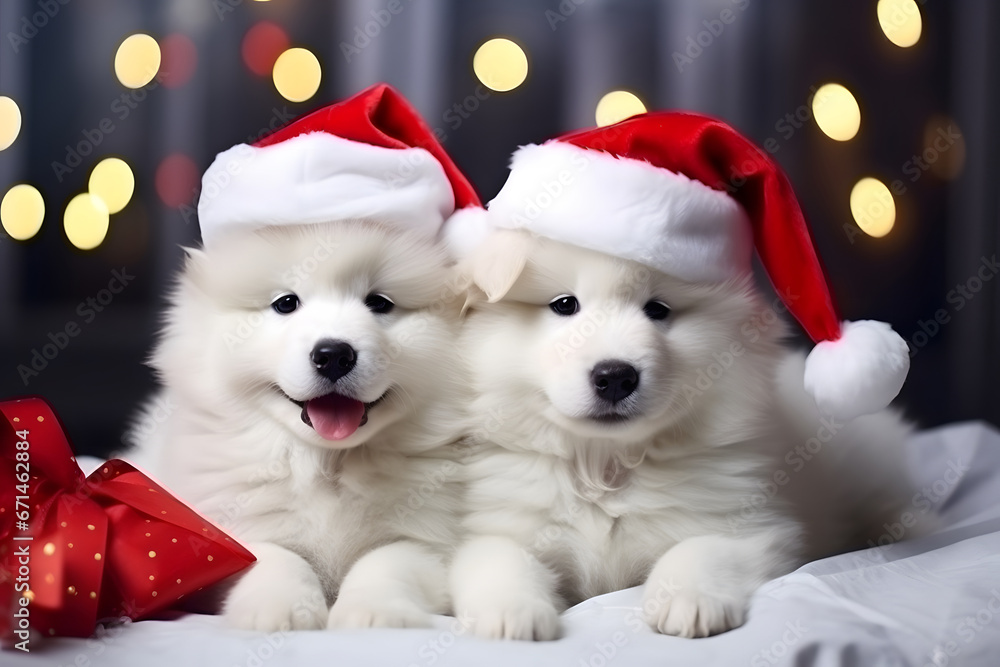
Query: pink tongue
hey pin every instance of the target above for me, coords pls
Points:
(335, 417)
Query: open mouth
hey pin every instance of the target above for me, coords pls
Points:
(335, 416)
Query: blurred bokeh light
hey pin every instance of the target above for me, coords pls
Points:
(900, 21)
(137, 60)
(297, 74)
(262, 45)
(873, 207)
(176, 180)
(22, 211)
(500, 64)
(112, 180)
(836, 112)
(86, 221)
(179, 59)
(617, 106)
(10, 122)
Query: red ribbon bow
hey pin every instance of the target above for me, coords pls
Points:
(75, 549)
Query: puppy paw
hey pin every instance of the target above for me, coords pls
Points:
(358, 611)
(691, 612)
(279, 593)
(702, 586)
(273, 607)
(525, 619)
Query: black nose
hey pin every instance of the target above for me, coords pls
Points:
(333, 359)
(614, 380)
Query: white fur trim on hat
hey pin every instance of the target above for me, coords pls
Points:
(319, 177)
(861, 372)
(627, 208)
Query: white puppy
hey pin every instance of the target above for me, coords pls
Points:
(316, 405)
(630, 431)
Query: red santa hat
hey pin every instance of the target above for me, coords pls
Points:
(371, 156)
(689, 196)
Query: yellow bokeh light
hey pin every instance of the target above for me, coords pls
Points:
(10, 122)
(297, 74)
(873, 207)
(22, 211)
(137, 60)
(616, 106)
(113, 182)
(836, 112)
(500, 64)
(900, 21)
(86, 221)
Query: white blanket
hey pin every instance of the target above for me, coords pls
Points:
(933, 601)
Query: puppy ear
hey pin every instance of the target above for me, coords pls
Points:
(195, 266)
(495, 266)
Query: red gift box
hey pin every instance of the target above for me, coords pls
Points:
(76, 549)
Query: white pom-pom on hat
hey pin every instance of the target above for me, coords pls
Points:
(860, 372)
(466, 230)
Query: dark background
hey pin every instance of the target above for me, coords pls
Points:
(760, 68)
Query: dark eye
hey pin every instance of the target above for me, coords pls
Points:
(379, 304)
(564, 305)
(286, 303)
(656, 310)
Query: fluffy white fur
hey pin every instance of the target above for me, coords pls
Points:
(619, 205)
(681, 494)
(364, 521)
(317, 177)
